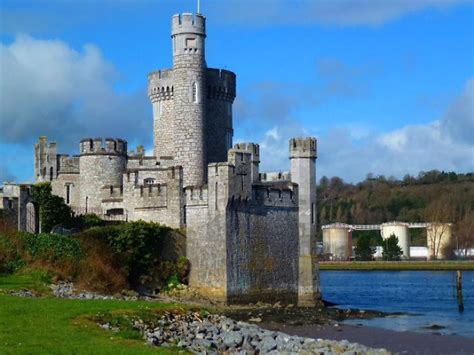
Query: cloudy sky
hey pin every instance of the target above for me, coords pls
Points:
(387, 87)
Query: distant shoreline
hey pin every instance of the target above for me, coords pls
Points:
(397, 265)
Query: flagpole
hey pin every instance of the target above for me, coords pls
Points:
(199, 6)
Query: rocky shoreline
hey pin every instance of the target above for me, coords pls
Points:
(233, 331)
(217, 334)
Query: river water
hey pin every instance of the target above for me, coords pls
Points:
(426, 299)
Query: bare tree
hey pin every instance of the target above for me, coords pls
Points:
(440, 213)
(465, 232)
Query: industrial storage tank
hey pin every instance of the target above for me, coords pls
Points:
(400, 230)
(337, 241)
(438, 236)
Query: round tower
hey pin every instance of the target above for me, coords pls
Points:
(101, 164)
(189, 77)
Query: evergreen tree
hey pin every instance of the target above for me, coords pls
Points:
(391, 249)
(364, 250)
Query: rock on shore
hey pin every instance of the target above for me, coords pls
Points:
(213, 334)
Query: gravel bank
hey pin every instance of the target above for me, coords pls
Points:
(214, 334)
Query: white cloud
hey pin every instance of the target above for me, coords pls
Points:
(48, 88)
(446, 144)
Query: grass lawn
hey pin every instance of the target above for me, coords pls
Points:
(60, 326)
(396, 265)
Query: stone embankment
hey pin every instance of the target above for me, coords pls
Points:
(214, 334)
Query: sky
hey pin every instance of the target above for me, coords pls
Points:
(386, 87)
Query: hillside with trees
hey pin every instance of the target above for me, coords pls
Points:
(431, 196)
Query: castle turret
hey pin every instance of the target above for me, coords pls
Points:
(303, 173)
(189, 69)
(102, 164)
(192, 104)
(46, 160)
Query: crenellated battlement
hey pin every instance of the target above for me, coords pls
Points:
(221, 84)
(111, 193)
(160, 85)
(275, 176)
(303, 147)
(188, 23)
(151, 190)
(196, 196)
(43, 142)
(273, 196)
(99, 146)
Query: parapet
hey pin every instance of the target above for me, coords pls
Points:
(275, 176)
(68, 165)
(283, 196)
(188, 23)
(43, 142)
(221, 84)
(160, 85)
(252, 148)
(303, 147)
(99, 146)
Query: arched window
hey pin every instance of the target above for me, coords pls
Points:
(195, 92)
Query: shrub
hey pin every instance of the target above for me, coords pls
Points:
(10, 253)
(391, 249)
(52, 247)
(86, 221)
(136, 246)
(52, 209)
(364, 250)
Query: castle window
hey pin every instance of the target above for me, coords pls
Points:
(195, 92)
(51, 173)
(190, 42)
(68, 194)
(313, 214)
(149, 181)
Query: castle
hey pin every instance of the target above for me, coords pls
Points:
(250, 235)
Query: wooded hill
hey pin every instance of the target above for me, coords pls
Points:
(431, 196)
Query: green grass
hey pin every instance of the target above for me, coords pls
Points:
(64, 326)
(396, 265)
(34, 280)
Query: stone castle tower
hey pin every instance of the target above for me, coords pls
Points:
(192, 104)
(250, 235)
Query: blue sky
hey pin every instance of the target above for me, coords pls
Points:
(387, 87)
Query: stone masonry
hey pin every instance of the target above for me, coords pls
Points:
(250, 235)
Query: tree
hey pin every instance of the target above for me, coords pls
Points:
(465, 233)
(364, 250)
(440, 213)
(391, 249)
(52, 209)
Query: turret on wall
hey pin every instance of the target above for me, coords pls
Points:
(46, 164)
(102, 164)
(192, 105)
(303, 173)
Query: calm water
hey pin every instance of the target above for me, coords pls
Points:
(426, 297)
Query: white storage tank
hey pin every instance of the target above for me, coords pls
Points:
(336, 241)
(400, 229)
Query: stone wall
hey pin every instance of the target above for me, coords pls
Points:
(262, 253)
(160, 200)
(220, 96)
